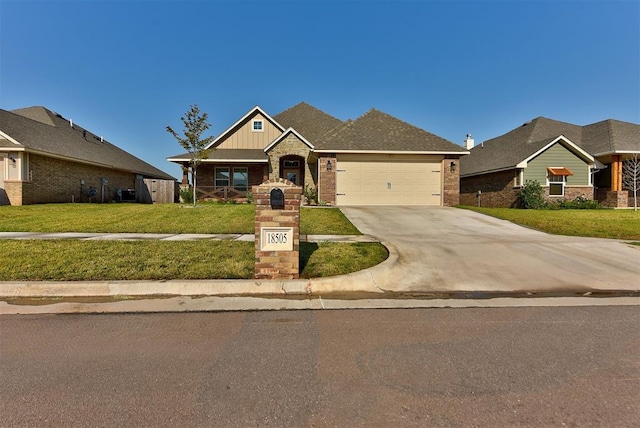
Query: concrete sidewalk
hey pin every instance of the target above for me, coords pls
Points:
(173, 236)
(435, 254)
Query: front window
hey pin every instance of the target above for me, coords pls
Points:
(241, 179)
(258, 126)
(222, 177)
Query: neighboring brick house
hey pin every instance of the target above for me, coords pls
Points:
(45, 158)
(373, 160)
(567, 160)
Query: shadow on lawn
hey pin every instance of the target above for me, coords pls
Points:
(306, 250)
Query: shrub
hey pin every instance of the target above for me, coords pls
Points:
(531, 196)
(310, 194)
(579, 203)
(186, 195)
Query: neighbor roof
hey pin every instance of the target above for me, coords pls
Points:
(39, 130)
(506, 151)
(376, 131)
(309, 121)
(611, 136)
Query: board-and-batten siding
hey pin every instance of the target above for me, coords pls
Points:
(558, 156)
(245, 138)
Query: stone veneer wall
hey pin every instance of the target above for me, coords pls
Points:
(291, 145)
(613, 199)
(277, 264)
(55, 180)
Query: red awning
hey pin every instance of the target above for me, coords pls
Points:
(560, 171)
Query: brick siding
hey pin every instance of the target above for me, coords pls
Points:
(327, 180)
(497, 190)
(451, 184)
(55, 181)
(277, 264)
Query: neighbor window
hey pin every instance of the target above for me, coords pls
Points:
(556, 180)
(222, 177)
(517, 180)
(556, 185)
(241, 179)
(257, 126)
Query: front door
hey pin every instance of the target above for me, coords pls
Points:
(292, 174)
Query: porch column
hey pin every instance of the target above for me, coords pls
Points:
(616, 173)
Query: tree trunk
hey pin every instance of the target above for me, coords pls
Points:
(194, 186)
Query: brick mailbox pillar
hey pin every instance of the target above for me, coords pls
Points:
(277, 229)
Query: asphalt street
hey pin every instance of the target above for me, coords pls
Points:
(413, 367)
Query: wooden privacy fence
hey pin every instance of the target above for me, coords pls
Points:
(155, 191)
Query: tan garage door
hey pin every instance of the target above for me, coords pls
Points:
(388, 180)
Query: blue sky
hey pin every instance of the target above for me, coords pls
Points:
(127, 69)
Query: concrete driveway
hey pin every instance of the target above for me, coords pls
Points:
(450, 249)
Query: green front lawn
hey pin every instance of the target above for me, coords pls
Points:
(602, 223)
(161, 218)
(75, 260)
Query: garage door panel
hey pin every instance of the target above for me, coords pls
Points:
(367, 180)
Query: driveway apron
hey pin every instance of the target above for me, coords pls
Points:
(450, 249)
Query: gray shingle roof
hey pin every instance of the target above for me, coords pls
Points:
(41, 130)
(611, 136)
(309, 121)
(507, 150)
(378, 131)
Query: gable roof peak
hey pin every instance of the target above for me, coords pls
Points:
(39, 114)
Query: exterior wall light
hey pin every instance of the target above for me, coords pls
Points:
(452, 166)
(329, 166)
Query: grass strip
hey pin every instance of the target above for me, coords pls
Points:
(73, 260)
(159, 218)
(602, 223)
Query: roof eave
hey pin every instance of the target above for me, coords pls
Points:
(284, 134)
(490, 171)
(11, 139)
(393, 152)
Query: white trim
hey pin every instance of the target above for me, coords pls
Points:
(284, 135)
(518, 178)
(8, 137)
(549, 182)
(253, 125)
(241, 120)
(220, 160)
(391, 152)
(617, 152)
(580, 152)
